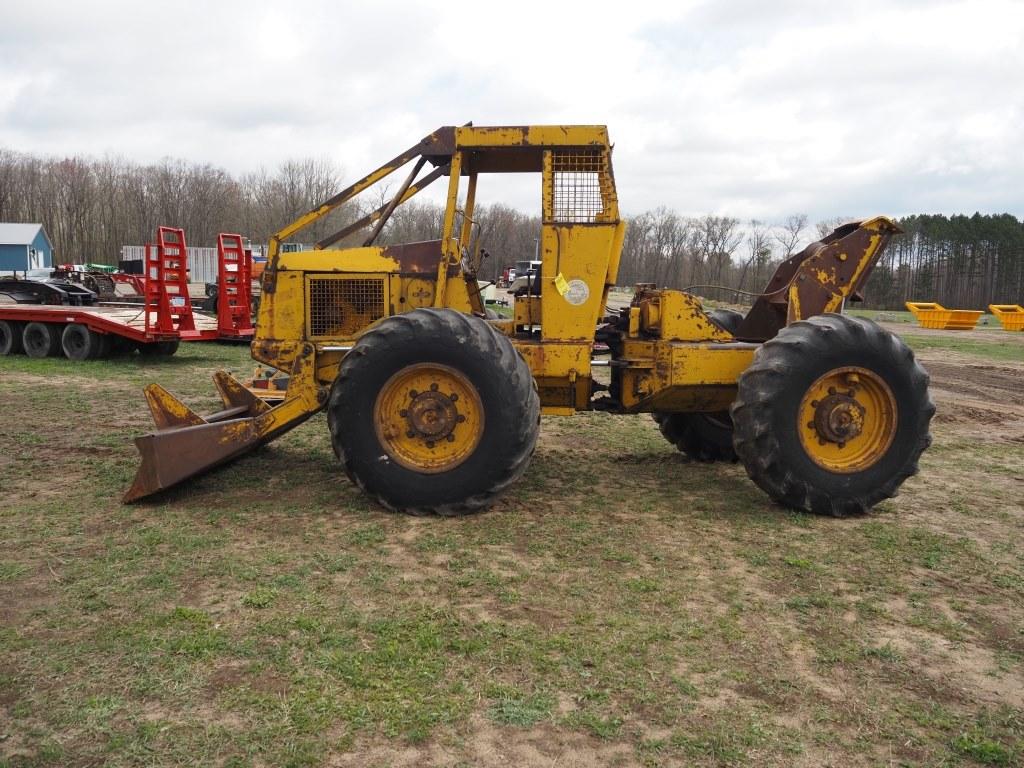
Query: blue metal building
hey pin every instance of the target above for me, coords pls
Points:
(24, 246)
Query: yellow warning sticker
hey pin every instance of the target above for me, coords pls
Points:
(560, 284)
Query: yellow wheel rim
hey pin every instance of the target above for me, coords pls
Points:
(847, 420)
(429, 417)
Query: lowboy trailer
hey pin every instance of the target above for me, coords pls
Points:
(155, 327)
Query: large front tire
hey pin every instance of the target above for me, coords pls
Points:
(434, 412)
(832, 415)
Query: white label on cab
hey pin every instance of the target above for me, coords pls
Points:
(577, 292)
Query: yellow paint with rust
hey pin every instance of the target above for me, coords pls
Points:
(555, 359)
(168, 411)
(581, 255)
(533, 136)
(681, 376)
(823, 269)
(561, 370)
(847, 419)
(429, 418)
(527, 310)
(677, 316)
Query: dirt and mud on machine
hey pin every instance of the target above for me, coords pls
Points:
(434, 408)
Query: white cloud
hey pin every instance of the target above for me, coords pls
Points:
(748, 108)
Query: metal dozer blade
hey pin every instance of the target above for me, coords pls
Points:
(186, 444)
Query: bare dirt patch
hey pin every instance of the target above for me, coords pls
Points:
(484, 744)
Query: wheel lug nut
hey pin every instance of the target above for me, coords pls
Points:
(403, 413)
(413, 393)
(453, 397)
(842, 443)
(814, 403)
(810, 425)
(410, 433)
(430, 443)
(831, 390)
(451, 438)
(461, 418)
(433, 387)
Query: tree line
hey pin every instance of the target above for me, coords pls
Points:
(91, 207)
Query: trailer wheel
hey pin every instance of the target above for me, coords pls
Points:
(701, 436)
(120, 346)
(434, 412)
(10, 338)
(832, 415)
(158, 348)
(41, 339)
(82, 343)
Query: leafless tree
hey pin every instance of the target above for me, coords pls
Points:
(758, 251)
(825, 226)
(788, 233)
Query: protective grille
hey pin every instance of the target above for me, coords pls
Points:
(577, 180)
(341, 307)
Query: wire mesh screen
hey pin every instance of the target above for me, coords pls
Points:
(341, 307)
(576, 178)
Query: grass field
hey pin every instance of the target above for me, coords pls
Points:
(619, 607)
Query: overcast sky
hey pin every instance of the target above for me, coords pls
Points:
(748, 108)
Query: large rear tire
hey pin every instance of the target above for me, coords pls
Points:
(726, 319)
(41, 339)
(832, 415)
(11, 342)
(434, 412)
(701, 436)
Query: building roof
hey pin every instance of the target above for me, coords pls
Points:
(20, 234)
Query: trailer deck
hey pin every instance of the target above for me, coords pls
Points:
(118, 319)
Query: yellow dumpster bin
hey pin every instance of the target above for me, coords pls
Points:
(932, 315)
(1010, 315)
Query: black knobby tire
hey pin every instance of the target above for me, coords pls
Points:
(10, 338)
(41, 339)
(121, 346)
(726, 319)
(701, 436)
(487, 360)
(158, 348)
(79, 342)
(765, 414)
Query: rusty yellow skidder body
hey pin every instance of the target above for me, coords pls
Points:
(433, 405)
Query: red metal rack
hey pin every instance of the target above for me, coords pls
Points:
(234, 286)
(168, 305)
